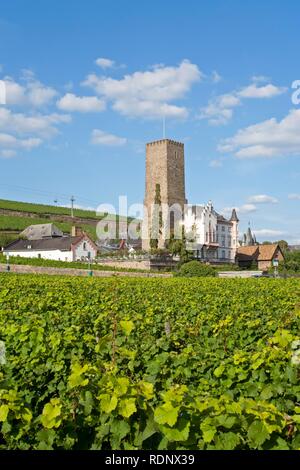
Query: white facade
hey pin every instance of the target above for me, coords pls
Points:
(227, 240)
(56, 255)
(82, 250)
(210, 235)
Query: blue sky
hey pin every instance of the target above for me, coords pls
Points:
(87, 84)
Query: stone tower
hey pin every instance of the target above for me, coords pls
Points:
(164, 175)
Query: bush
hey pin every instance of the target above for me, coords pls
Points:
(196, 269)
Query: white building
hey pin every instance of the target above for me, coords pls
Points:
(210, 235)
(78, 247)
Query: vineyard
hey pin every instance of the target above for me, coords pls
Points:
(149, 363)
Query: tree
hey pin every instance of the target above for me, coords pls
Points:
(283, 245)
(196, 269)
(157, 220)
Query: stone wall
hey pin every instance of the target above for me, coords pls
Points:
(129, 264)
(16, 268)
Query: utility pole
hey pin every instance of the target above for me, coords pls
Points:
(72, 206)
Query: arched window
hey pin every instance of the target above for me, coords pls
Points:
(84, 246)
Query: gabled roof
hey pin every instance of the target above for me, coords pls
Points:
(38, 231)
(267, 252)
(258, 252)
(248, 252)
(57, 243)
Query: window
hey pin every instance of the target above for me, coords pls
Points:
(229, 241)
(223, 241)
(223, 254)
(84, 246)
(223, 228)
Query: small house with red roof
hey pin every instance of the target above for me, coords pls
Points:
(263, 255)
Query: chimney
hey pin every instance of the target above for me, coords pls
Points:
(76, 231)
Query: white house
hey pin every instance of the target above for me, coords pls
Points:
(59, 248)
(210, 235)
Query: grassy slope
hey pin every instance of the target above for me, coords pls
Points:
(47, 209)
(42, 213)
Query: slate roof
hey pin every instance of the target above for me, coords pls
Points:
(234, 217)
(221, 218)
(38, 231)
(57, 243)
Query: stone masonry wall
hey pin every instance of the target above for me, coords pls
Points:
(74, 272)
(164, 166)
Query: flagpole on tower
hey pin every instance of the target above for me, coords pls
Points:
(164, 126)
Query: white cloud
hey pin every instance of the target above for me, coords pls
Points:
(219, 110)
(42, 125)
(269, 138)
(268, 233)
(147, 94)
(215, 163)
(100, 137)
(266, 91)
(216, 77)
(260, 78)
(82, 104)
(11, 144)
(262, 199)
(104, 63)
(244, 209)
(7, 140)
(294, 196)
(7, 153)
(33, 93)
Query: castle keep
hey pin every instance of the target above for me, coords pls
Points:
(164, 174)
(209, 235)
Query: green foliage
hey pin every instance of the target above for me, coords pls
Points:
(89, 364)
(196, 269)
(291, 263)
(157, 220)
